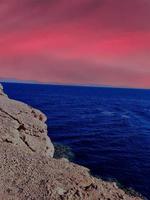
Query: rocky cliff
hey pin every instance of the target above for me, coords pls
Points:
(27, 169)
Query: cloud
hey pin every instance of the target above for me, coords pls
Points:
(109, 14)
(82, 41)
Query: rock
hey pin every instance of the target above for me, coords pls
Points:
(27, 169)
(25, 175)
(1, 91)
(24, 126)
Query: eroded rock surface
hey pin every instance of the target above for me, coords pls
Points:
(23, 126)
(31, 176)
(1, 91)
(27, 173)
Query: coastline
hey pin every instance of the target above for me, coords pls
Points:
(26, 161)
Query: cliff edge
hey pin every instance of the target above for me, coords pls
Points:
(27, 169)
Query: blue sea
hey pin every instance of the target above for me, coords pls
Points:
(107, 129)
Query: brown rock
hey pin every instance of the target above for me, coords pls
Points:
(27, 173)
(24, 126)
(1, 90)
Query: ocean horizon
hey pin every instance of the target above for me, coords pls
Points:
(70, 84)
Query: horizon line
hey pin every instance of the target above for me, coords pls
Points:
(70, 84)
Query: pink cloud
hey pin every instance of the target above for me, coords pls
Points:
(88, 41)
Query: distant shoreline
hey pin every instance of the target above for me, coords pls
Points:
(74, 85)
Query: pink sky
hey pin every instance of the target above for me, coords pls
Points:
(104, 42)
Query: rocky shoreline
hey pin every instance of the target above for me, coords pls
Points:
(28, 169)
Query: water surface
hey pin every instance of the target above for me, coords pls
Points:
(107, 129)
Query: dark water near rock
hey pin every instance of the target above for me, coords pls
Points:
(107, 129)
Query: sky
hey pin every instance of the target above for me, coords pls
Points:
(102, 42)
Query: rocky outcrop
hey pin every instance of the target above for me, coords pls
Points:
(23, 126)
(1, 91)
(27, 169)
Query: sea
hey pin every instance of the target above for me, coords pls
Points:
(105, 129)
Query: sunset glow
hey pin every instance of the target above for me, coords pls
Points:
(105, 42)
